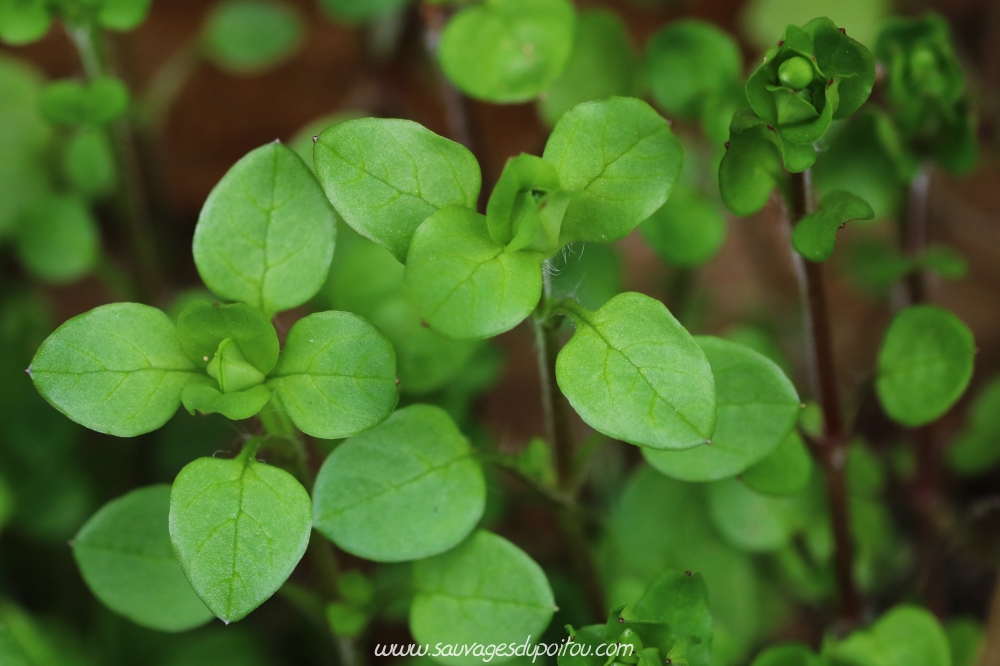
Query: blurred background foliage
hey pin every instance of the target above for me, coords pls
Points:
(209, 82)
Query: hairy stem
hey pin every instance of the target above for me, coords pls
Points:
(131, 195)
(834, 441)
(456, 112)
(558, 427)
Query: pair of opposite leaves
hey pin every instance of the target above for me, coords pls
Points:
(407, 490)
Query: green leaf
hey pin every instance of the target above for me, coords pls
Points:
(367, 280)
(680, 602)
(336, 376)
(750, 521)
(965, 638)
(249, 36)
(858, 160)
(238, 527)
(687, 231)
(924, 365)
(690, 61)
(977, 447)
(507, 51)
(123, 14)
(24, 170)
(944, 260)
(23, 21)
(622, 158)
(816, 234)
(73, 103)
(876, 266)
(752, 166)
(89, 163)
(757, 409)
(266, 233)
(126, 559)
(524, 182)
(632, 372)
(786, 471)
(202, 326)
(234, 405)
(602, 64)
(361, 11)
(405, 490)
(57, 239)
(787, 654)
(906, 635)
(577, 653)
(385, 177)
(463, 283)
(762, 20)
(305, 138)
(487, 591)
(118, 369)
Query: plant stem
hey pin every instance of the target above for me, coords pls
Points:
(456, 113)
(833, 441)
(914, 232)
(131, 195)
(167, 84)
(557, 422)
(926, 490)
(558, 428)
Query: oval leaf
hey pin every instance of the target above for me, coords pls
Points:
(924, 365)
(265, 235)
(785, 471)
(602, 64)
(248, 36)
(118, 369)
(622, 158)
(977, 447)
(239, 527)
(97, 102)
(24, 22)
(203, 397)
(407, 489)
(904, 635)
(57, 239)
(507, 51)
(463, 283)
(123, 14)
(487, 591)
(757, 408)
(385, 177)
(686, 231)
(126, 559)
(690, 61)
(336, 376)
(202, 326)
(632, 372)
(750, 521)
(816, 234)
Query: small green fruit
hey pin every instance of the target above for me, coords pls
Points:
(796, 73)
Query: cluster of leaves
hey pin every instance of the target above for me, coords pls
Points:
(421, 279)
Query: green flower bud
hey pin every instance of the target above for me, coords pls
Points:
(796, 73)
(231, 369)
(815, 75)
